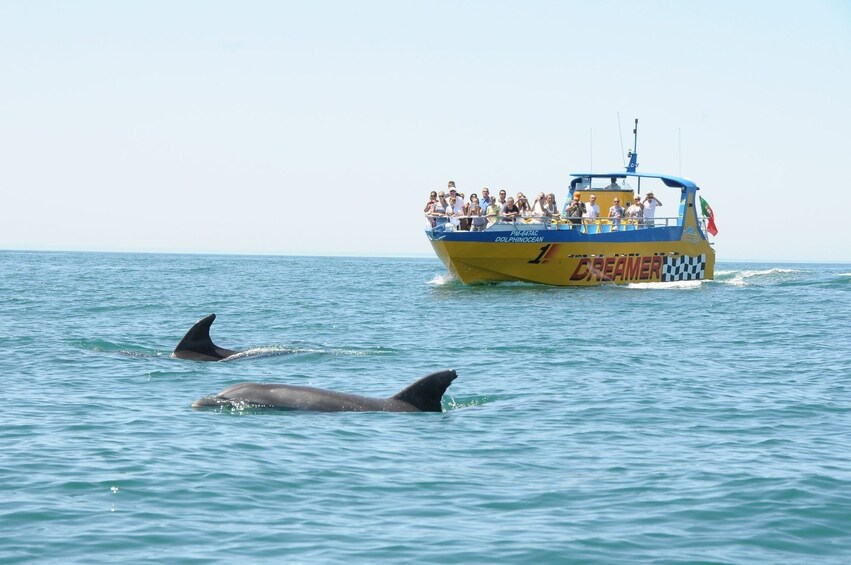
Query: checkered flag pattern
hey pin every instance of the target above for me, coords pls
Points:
(683, 268)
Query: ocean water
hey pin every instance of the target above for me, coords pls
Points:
(683, 423)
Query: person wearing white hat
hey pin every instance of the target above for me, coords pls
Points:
(650, 203)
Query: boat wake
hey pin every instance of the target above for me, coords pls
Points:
(673, 285)
(747, 277)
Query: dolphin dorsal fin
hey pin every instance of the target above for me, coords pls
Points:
(197, 339)
(426, 393)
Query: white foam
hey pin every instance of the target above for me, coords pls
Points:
(440, 280)
(758, 272)
(280, 350)
(673, 285)
(740, 278)
(258, 351)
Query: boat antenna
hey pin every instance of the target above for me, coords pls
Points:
(620, 132)
(633, 155)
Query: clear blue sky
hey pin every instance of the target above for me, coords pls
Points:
(320, 127)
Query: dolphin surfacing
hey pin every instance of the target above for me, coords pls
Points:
(198, 346)
(422, 396)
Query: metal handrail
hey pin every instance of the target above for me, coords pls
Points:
(637, 223)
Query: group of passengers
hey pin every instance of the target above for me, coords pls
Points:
(479, 214)
(642, 213)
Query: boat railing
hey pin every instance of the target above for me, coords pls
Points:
(583, 225)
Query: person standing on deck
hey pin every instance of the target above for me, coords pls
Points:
(636, 211)
(501, 200)
(452, 212)
(456, 201)
(551, 209)
(592, 210)
(492, 212)
(464, 221)
(616, 212)
(440, 209)
(523, 205)
(429, 207)
(650, 203)
(538, 205)
(510, 211)
(478, 222)
(575, 210)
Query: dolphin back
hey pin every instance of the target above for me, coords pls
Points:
(426, 394)
(422, 396)
(196, 344)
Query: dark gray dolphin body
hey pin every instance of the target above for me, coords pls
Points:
(422, 396)
(198, 346)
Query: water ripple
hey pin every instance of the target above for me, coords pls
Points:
(672, 424)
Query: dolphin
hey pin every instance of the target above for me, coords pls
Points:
(422, 396)
(198, 346)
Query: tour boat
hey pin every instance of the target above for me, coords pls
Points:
(590, 251)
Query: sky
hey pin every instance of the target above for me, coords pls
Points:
(319, 128)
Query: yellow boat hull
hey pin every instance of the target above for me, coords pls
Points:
(576, 263)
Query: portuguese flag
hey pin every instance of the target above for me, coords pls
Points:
(707, 211)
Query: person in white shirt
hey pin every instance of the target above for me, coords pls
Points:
(453, 213)
(457, 200)
(636, 211)
(523, 204)
(539, 205)
(592, 210)
(650, 203)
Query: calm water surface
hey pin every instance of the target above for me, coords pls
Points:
(693, 422)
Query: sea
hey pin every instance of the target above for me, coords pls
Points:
(694, 422)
